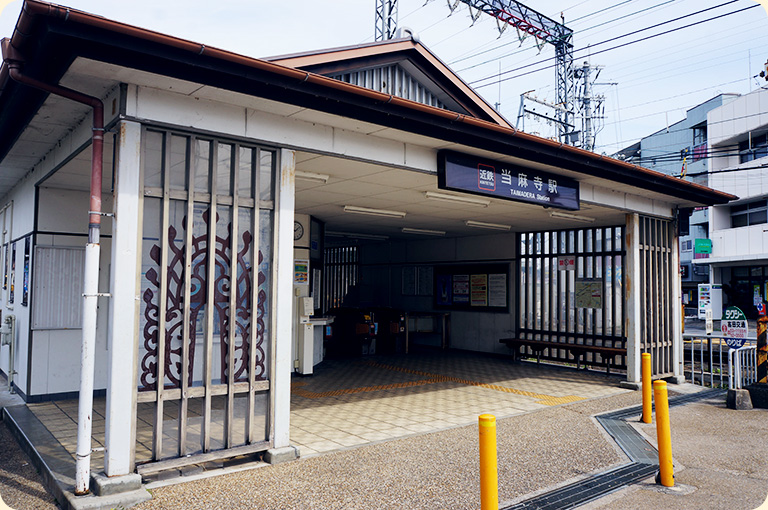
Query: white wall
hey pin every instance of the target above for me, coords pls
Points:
(742, 243)
(45, 358)
(298, 128)
(56, 353)
(746, 113)
(23, 218)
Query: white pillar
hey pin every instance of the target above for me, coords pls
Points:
(284, 297)
(677, 307)
(632, 285)
(124, 305)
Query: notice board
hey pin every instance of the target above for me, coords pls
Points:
(472, 287)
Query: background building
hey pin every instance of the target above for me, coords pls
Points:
(681, 149)
(738, 140)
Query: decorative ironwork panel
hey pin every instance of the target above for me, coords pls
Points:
(205, 291)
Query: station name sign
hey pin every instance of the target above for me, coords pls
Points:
(471, 174)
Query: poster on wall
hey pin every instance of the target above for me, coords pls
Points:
(478, 287)
(409, 281)
(461, 289)
(11, 295)
(443, 296)
(417, 280)
(25, 287)
(497, 290)
(588, 293)
(301, 272)
(478, 284)
(425, 280)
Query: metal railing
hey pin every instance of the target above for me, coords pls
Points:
(742, 367)
(707, 360)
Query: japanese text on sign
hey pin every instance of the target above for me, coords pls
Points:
(461, 172)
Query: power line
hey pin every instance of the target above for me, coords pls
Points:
(622, 143)
(531, 47)
(581, 31)
(620, 45)
(601, 10)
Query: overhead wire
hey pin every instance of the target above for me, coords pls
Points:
(591, 46)
(582, 30)
(532, 47)
(601, 10)
(623, 143)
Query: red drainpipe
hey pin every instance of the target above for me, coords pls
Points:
(14, 61)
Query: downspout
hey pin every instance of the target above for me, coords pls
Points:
(14, 61)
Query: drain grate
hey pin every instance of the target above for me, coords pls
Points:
(644, 464)
(588, 489)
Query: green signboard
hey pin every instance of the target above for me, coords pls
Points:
(703, 246)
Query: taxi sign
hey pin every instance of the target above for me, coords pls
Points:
(734, 327)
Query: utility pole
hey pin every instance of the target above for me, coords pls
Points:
(386, 20)
(587, 136)
(530, 22)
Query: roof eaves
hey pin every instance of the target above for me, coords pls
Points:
(507, 138)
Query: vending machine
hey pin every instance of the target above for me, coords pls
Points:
(711, 298)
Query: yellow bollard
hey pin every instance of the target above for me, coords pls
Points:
(647, 391)
(489, 475)
(663, 434)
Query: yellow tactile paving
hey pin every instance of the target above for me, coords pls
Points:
(543, 399)
(356, 402)
(296, 389)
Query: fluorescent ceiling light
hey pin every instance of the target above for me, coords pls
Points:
(461, 199)
(422, 231)
(312, 176)
(355, 235)
(569, 216)
(373, 212)
(492, 226)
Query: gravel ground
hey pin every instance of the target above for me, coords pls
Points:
(20, 484)
(434, 471)
(720, 454)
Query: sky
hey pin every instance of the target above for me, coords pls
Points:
(646, 85)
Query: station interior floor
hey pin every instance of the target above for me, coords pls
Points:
(353, 402)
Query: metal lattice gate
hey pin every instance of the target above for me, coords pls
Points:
(657, 274)
(341, 271)
(570, 294)
(205, 349)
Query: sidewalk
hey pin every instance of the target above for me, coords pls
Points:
(719, 456)
(721, 461)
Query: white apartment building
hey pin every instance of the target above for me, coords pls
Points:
(738, 164)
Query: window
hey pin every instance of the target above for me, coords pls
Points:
(751, 213)
(699, 135)
(754, 148)
(687, 245)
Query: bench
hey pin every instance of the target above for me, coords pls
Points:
(578, 351)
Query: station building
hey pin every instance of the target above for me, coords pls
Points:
(249, 204)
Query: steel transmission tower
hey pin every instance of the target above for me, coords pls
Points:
(549, 31)
(386, 20)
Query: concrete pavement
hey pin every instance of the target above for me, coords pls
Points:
(721, 461)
